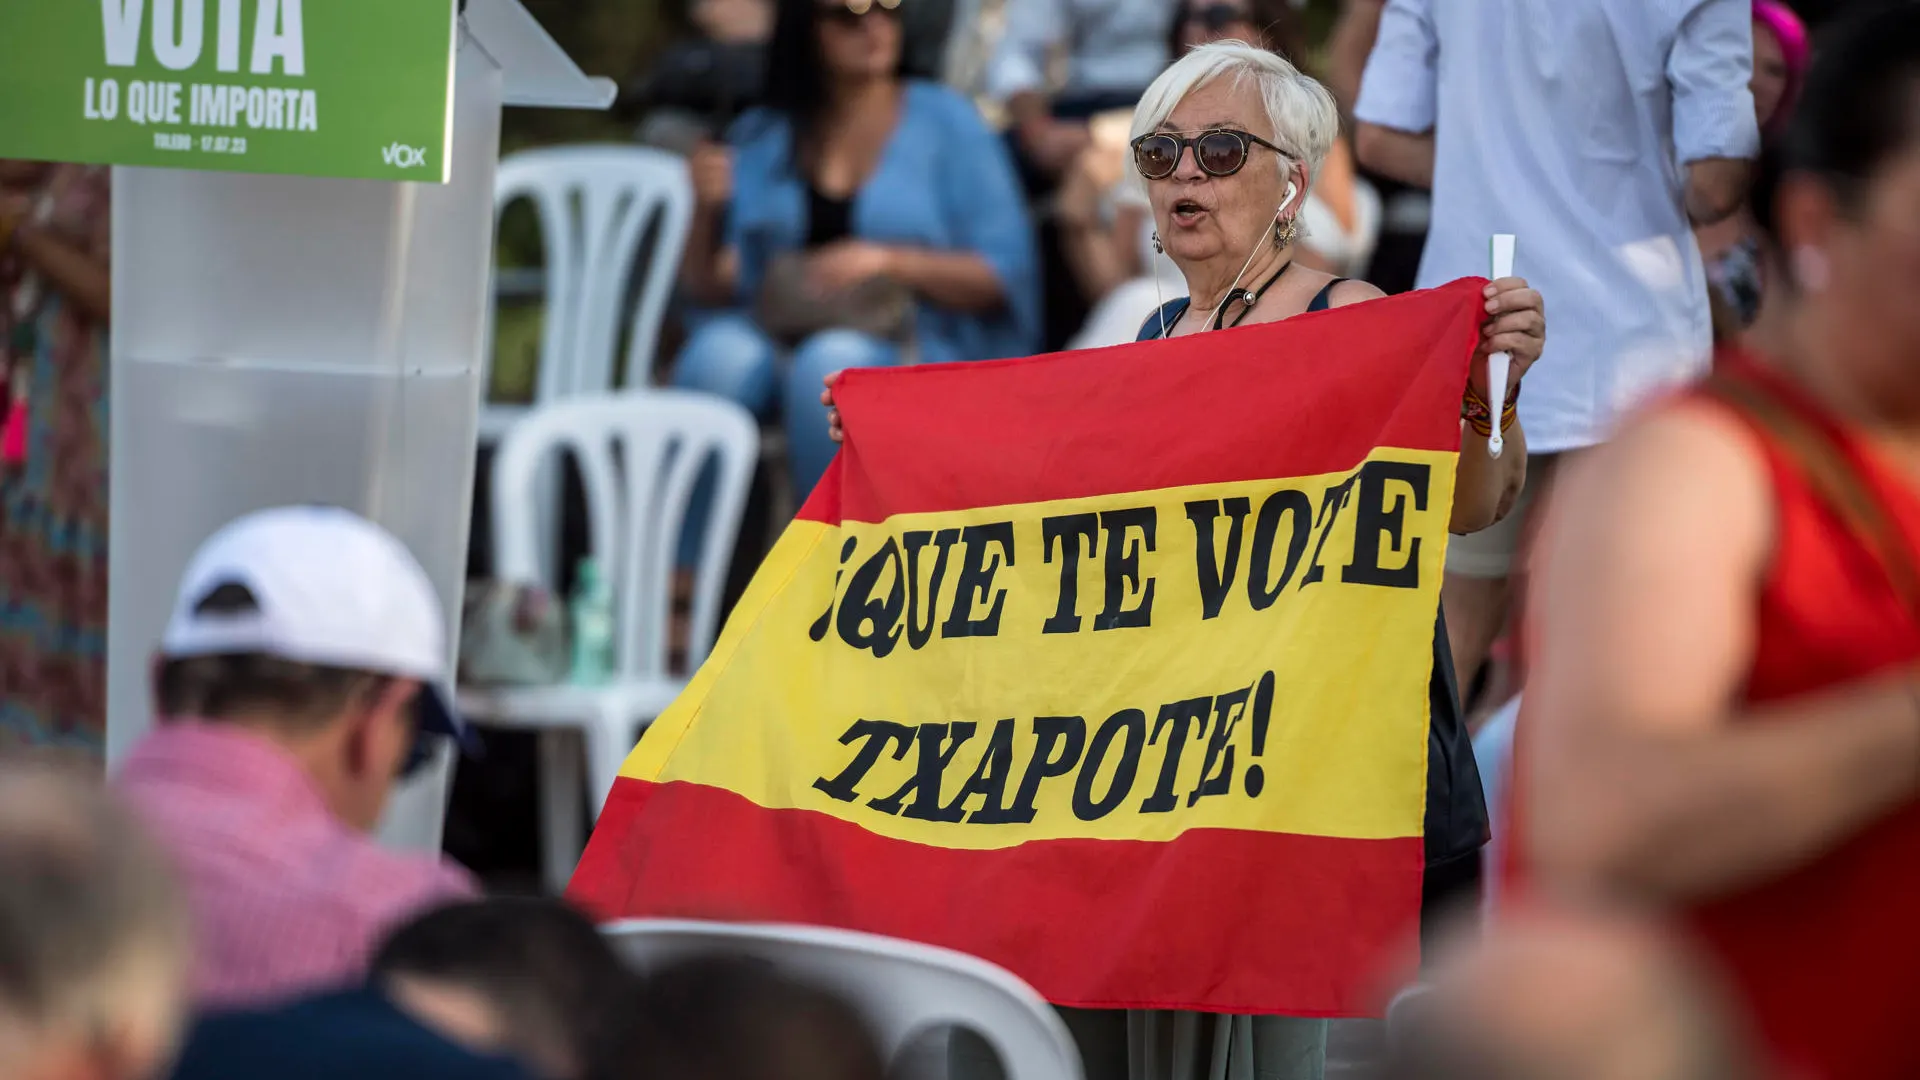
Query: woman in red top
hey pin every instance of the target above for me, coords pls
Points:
(1723, 716)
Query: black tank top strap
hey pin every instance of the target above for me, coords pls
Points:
(1323, 299)
(1168, 314)
(1173, 309)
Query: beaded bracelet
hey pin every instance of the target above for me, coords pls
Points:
(1475, 411)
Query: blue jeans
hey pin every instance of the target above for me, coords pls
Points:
(728, 355)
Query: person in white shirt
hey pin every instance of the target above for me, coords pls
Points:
(1599, 133)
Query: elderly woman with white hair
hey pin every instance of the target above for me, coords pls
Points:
(1228, 140)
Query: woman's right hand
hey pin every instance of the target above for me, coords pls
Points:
(833, 411)
(712, 166)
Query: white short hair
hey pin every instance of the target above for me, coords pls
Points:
(93, 925)
(1304, 118)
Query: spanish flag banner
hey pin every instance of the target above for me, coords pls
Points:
(1109, 667)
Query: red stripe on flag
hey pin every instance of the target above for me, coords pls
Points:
(1202, 918)
(1314, 393)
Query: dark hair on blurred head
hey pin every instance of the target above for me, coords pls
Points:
(1859, 108)
(736, 1018)
(796, 83)
(556, 984)
(1277, 21)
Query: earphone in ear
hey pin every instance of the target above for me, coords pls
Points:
(1288, 197)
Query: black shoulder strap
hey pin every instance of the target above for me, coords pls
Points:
(1173, 309)
(1168, 313)
(1323, 299)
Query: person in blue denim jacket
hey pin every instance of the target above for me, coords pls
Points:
(863, 174)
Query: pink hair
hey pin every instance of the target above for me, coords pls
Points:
(1791, 33)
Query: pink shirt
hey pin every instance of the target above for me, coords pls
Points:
(286, 898)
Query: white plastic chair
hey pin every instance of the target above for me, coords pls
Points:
(904, 989)
(639, 453)
(594, 204)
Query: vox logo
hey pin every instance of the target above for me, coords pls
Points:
(405, 157)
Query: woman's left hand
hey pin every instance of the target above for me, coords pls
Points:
(1516, 325)
(846, 263)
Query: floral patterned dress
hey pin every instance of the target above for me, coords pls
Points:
(53, 487)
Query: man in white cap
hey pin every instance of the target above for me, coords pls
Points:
(302, 673)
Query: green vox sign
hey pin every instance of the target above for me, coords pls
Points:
(354, 88)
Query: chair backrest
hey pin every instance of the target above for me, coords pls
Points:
(904, 989)
(639, 453)
(594, 204)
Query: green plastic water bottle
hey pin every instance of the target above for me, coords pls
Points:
(591, 610)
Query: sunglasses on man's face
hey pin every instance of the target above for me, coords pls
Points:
(852, 12)
(420, 750)
(1220, 152)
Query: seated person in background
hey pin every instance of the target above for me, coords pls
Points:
(1112, 49)
(93, 935)
(298, 678)
(1105, 222)
(1058, 64)
(501, 989)
(696, 86)
(737, 1018)
(866, 216)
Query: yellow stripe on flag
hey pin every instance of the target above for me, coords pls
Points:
(1321, 660)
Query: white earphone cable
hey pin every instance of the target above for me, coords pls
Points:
(1258, 241)
(1213, 320)
(1160, 301)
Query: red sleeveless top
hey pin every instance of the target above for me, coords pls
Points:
(1827, 958)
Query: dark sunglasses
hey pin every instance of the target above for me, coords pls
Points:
(1217, 17)
(852, 11)
(420, 751)
(1220, 152)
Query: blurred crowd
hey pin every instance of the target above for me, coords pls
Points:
(223, 912)
(1699, 564)
(104, 979)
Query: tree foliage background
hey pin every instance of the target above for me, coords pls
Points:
(615, 38)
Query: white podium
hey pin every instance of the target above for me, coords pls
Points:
(290, 339)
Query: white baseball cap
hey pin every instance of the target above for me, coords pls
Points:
(328, 587)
